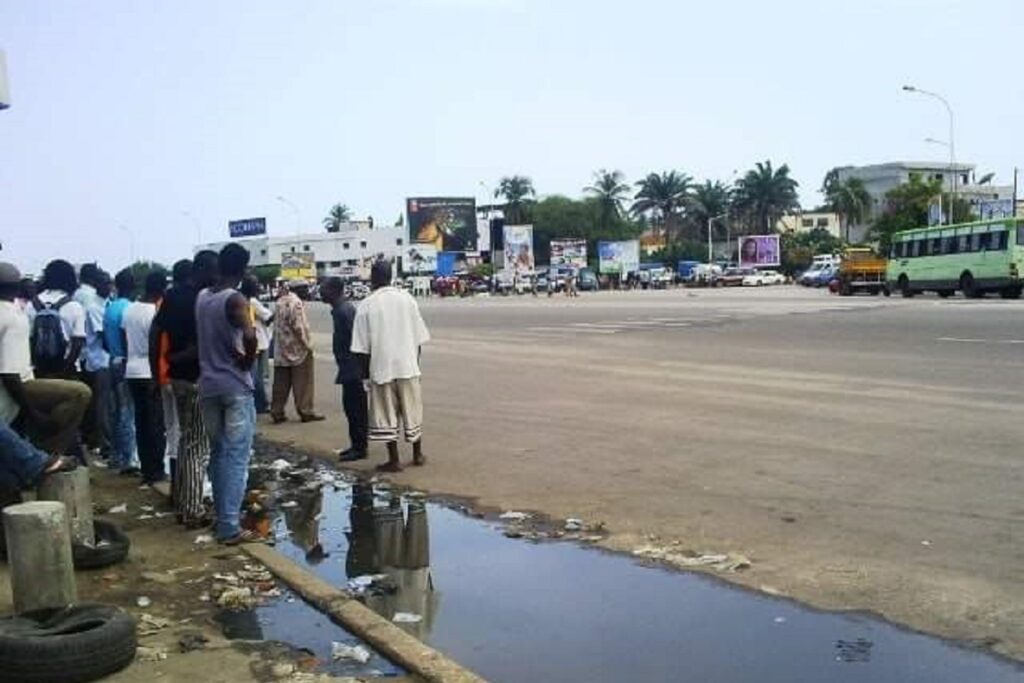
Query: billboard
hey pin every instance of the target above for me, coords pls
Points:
(300, 266)
(448, 223)
(519, 248)
(618, 258)
(247, 227)
(420, 259)
(759, 250)
(569, 252)
(989, 209)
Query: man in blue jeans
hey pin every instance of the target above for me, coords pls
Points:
(226, 341)
(22, 465)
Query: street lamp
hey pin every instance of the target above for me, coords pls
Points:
(951, 145)
(199, 227)
(490, 235)
(298, 216)
(712, 219)
(952, 173)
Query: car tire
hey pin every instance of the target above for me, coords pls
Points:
(74, 644)
(111, 547)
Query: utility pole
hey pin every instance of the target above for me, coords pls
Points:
(952, 144)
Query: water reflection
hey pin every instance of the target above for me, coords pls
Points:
(302, 518)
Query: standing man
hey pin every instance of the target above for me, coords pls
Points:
(293, 355)
(227, 349)
(177, 319)
(56, 356)
(92, 295)
(149, 422)
(353, 395)
(122, 412)
(388, 333)
(261, 318)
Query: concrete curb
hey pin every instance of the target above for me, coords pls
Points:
(397, 645)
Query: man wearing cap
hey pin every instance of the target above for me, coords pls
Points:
(48, 411)
(293, 355)
(387, 335)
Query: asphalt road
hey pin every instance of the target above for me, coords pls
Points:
(865, 453)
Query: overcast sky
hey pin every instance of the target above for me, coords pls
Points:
(130, 113)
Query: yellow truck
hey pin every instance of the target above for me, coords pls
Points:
(862, 270)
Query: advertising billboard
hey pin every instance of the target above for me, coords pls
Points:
(519, 248)
(247, 227)
(420, 259)
(989, 209)
(569, 252)
(619, 258)
(447, 223)
(300, 266)
(759, 250)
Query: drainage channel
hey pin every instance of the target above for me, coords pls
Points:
(517, 610)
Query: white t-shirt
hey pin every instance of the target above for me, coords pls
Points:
(261, 314)
(137, 320)
(15, 355)
(389, 328)
(72, 314)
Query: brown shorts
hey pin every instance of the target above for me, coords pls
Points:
(402, 400)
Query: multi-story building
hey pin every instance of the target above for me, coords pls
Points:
(356, 245)
(878, 179)
(805, 221)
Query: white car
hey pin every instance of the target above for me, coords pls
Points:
(763, 277)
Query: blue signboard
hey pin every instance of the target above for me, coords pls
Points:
(247, 227)
(446, 263)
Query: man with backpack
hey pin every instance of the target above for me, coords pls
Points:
(47, 411)
(58, 323)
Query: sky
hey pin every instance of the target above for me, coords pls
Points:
(140, 126)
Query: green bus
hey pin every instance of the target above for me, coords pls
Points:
(975, 258)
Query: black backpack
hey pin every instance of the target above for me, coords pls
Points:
(49, 346)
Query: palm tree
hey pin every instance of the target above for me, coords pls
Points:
(515, 189)
(850, 199)
(710, 200)
(666, 192)
(338, 214)
(610, 190)
(765, 195)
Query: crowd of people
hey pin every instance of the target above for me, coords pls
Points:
(165, 382)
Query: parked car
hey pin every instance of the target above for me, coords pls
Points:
(809, 277)
(825, 276)
(733, 277)
(356, 291)
(759, 278)
(587, 280)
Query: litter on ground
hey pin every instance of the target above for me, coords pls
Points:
(406, 618)
(118, 509)
(355, 653)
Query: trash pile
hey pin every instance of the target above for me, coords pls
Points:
(677, 556)
(242, 589)
(525, 525)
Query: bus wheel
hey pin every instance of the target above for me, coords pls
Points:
(945, 293)
(969, 287)
(904, 286)
(1010, 292)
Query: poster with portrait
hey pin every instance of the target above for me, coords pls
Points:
(419, 259)
(569, 252)
(618, 258)
(759, 250)
(518, 249)
(447, 223)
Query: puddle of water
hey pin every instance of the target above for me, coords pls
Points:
(303, 627)
(517, 611)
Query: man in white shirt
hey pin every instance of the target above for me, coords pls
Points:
(138, 372)
(59, 285)
(92, 294)
(387, 335)
(48, 411)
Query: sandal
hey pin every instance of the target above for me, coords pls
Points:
(58, 463)
(243, 536)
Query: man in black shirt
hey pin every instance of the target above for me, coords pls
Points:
(343, 313)
(177, 319)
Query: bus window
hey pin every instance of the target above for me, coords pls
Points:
(915, 248)
(963, 243)
(1020, 235)
(950, 245)
(976, 242)
(997, 241)
(936, 246)
(983, 241)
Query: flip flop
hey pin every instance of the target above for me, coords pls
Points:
(243, 536)
(58, 463)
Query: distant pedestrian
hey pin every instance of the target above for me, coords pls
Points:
(122, 411)
(227, 350)
(56, 355)
(92, 294)
(293, 355)
(142, 381)
(177, 319)
(387, 333)
(159, 353)
(262, 318)
(353, 395)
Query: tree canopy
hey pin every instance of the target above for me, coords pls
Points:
(907, 206)
(764, 195)
(338, 214)
(515, 190)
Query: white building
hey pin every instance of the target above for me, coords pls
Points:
(805, 221)
(880, 178)
(355, 245)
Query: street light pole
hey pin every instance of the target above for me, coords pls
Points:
(298, 216)
(490, 237)
(952, 144)
(951, 172)
(712, 219)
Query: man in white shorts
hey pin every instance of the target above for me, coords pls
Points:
(386, 337)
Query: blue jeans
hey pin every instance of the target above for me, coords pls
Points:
(21, 463)
(230, 423)
(259, 381)
(122, 419)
